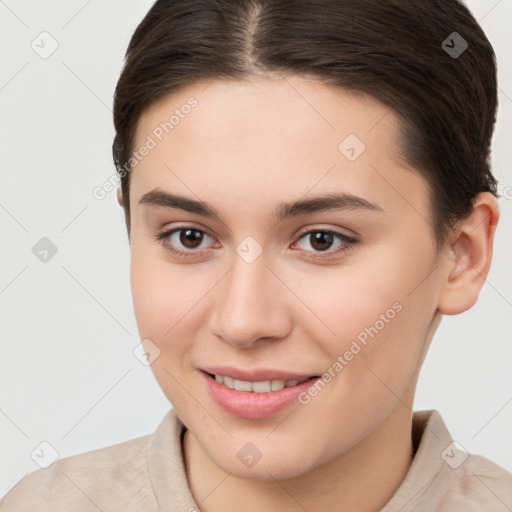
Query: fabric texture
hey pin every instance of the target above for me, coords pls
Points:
(147, 474)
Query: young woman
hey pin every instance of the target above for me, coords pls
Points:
(307, 192)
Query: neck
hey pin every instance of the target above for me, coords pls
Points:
(362, 479)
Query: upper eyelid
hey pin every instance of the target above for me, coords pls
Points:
(170, 231)
(336, 231)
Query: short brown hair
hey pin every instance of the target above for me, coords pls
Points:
(394, 50)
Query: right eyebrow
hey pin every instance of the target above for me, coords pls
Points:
(158, 197)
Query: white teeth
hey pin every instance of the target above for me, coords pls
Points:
(277, 385)
(261, 387)
(228, 382)
(256, 387)
(243, 385)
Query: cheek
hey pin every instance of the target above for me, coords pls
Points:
(151, 296)
(162, 297)
(347, 300)
(374, 354)
(170, 303)
(162, 292)
(371, 319)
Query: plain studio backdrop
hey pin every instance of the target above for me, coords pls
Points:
(68, 375)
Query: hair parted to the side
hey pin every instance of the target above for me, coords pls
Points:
(390, 49)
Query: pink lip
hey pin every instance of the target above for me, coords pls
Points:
(254, 375)
(254, 405)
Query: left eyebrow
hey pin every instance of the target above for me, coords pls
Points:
(333, 201)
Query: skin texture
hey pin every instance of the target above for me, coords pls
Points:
(245, 148)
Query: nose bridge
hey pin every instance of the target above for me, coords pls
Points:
(248, 307)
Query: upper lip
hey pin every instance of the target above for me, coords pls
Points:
(255, 375)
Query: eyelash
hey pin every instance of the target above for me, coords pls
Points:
(348, 242)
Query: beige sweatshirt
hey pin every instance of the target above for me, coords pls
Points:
(147, 474)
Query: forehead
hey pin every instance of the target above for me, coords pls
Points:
(273, 137)
(298, 108)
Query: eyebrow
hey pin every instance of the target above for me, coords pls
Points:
(332, 201)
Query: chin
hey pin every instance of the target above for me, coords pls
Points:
(278, 466)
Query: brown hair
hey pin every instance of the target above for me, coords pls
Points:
(395, 50)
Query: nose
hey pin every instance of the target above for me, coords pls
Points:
(250, 306)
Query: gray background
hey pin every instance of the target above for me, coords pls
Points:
(68, 375)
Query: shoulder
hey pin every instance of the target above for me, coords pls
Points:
(99, 479)
(444, 477)
(481, 485)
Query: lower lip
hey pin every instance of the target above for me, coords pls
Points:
(252, 405)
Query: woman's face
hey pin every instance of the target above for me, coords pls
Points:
(262, 289)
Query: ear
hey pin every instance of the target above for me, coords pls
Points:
(119, 196)
(469, 256)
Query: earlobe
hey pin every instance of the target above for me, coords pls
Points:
(119, 196)
(469, 256)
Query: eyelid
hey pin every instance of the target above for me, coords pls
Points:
(162, 236)
(169, 230)
(349, 233)
(347, 243)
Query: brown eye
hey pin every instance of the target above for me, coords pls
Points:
(185, 241)
(325, 241)
(190, 238)
(321, 240)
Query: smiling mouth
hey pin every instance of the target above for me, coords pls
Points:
(265, 386)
